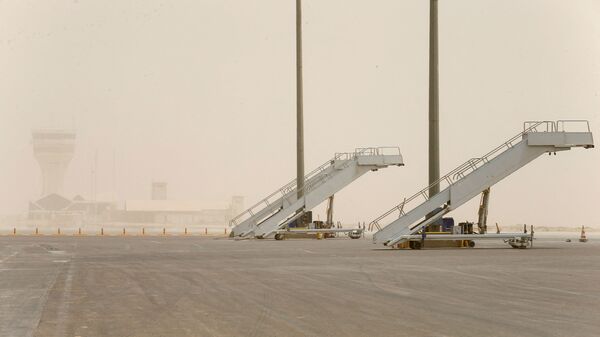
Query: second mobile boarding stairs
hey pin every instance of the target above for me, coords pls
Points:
(473, 177)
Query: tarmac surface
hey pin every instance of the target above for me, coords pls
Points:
(192, 286)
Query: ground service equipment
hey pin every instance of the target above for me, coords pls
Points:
(305, 227)
(477, 175)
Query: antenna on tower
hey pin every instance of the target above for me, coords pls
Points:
(114, 194)
(94, 176)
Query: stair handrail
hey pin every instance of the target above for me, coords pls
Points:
(287, 188)
(471, 164)
(343, 156)
(290, 187)
(346, 157)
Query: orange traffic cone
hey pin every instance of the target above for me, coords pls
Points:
(582, 238)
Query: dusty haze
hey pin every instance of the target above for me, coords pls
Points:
(201, 94)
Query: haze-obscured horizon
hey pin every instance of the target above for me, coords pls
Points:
(201, 95)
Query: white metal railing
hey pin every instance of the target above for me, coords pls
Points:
(582, 125)
(470, 166)
(285, 192)
(570, 125)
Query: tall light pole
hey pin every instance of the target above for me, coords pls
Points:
(299, 104)
(434, 100)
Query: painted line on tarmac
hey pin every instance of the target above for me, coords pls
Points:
(64, 302)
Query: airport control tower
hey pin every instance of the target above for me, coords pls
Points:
(53, 149)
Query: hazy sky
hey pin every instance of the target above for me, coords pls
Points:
(201, 94)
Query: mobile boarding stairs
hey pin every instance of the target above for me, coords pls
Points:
(473, 177)
(283, 206)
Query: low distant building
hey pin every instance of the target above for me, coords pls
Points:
(181, 212)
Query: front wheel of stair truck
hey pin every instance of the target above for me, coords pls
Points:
(414, 244)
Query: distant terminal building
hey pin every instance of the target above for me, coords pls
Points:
(56, 209)
(53, 150)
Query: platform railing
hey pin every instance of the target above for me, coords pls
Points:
(569, 125)
(563, 125)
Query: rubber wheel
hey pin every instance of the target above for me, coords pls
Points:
(471, 244)
(414, 245)
(278, 236)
